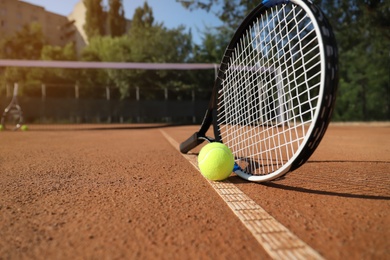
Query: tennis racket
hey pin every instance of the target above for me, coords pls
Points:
(275, 90)
(12, 117)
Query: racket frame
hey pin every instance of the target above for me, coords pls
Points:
(321, 118)
(14, 104)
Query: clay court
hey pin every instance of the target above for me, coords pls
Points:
(125, 192)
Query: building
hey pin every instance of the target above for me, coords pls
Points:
(78, 16)
(58, 29)
(14, 14)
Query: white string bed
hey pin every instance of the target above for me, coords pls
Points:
(270, 91)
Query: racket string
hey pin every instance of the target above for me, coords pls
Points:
(268, 95)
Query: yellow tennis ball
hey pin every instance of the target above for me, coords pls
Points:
(1, 127)
(24, 128)
(216, 161)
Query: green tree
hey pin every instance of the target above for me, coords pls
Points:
(25, 44)
(154, 43)
(146, 42)
(363, 37)
(209, 51)
(49, 76)
(90, 79)
(212, 47)
(143, 17)
(56, 76)
(215, 40)
(116, 18)
(230, 12)
(95, 21)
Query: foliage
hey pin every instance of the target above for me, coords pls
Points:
(66, 53)
(210, 51)
(116, 18)
(146, 42)
(94, 18)
(361, 29)
(363, 35)
(25, 44)
(29, 44)
(143, 17)
(230, 12)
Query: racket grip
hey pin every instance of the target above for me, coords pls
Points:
(190, 143)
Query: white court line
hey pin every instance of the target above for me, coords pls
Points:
(275, 238)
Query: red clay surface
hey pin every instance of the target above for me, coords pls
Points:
(126, 193)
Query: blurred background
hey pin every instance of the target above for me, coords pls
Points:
(185, 32)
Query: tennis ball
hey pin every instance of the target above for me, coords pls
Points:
(1, 127)
(24, 128)
(216, 161)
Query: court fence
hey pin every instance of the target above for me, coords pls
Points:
(68, 104)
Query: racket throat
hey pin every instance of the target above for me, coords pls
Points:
(207, 138)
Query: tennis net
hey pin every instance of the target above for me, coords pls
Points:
(64, 93)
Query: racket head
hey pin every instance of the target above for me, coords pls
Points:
(12, 118)
(275, 89)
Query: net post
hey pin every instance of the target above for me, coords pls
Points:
(215, 70)
(137, 98)
(43, 107)
(76, 91)
(43, 89)
(108, 96)
(193, 105)
(76, 118)
(166, 105)
(137, 93)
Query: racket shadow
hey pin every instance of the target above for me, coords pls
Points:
(337, 179)
(327, 193)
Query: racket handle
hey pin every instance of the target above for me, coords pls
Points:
(190, 143)
(16, 87)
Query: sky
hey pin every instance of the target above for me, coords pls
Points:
(171, 13)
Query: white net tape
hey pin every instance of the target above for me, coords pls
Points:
(106, 65)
